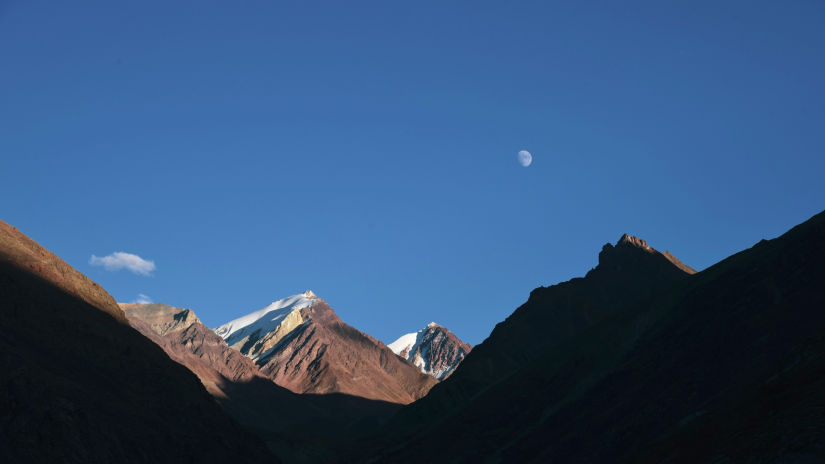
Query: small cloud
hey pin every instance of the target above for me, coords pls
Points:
(120, 260)
(143, 299)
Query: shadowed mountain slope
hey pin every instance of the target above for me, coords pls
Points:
(627, 273)
(719, 366)
(301, 344)
(77, 384)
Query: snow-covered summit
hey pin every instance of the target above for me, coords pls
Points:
(433, 349)
(264, 319)
(409, 342)
(406, 343)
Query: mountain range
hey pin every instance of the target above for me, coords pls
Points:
(643, 359)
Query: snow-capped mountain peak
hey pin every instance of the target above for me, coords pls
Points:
(264, 319)
(433, 349)
(301, 344)
(406, 343)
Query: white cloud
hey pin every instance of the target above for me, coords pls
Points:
(120, 260)
(143, 299)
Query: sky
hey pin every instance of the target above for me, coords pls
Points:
(235, 153)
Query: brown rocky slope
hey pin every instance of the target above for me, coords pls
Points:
(298, 428)
(186, 340)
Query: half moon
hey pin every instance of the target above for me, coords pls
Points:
(525, 158)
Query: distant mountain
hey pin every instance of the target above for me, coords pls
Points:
(301, 344)
(298, 428)
(642, 361)
(77, 384)
(433, 349)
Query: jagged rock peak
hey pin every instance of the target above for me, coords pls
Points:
(161, 318)
(627, 247)
(310, 294)
(629, 240)
(626, 242)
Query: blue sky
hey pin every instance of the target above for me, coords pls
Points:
(368, 151)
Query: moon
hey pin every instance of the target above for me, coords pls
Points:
(525, 158)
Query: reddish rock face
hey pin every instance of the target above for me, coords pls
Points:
(434, 350)
(325, 355)
(301, 344)
(186, 340)
(298, 428)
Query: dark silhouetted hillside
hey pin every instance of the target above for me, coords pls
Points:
(77, 384)
(640, 364)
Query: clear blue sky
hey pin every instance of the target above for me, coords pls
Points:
(255, 149)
